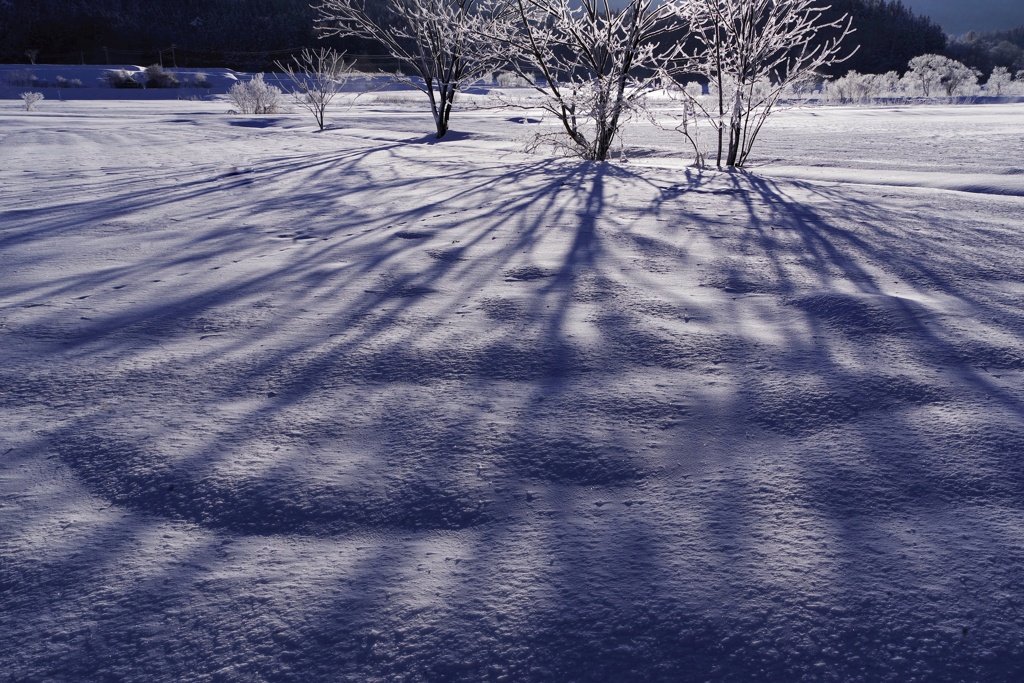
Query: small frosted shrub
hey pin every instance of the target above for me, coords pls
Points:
(854, 88)
(812, 85)
(755, 91)
(255, 97)
(507, 79)
(889, 85)
(317, 76)
(157, 77)
(22, 79)
(119, 78)
(31, 99)
(69, 82)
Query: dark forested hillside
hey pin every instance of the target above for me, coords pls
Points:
(251, 34)
(987, 50)
(889, 35)
(202, 32)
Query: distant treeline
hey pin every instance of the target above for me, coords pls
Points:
(985, 51)
(243, 34)
(889, 35)
(253, 34)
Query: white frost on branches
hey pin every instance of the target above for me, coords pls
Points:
(255, 96)
(858, 88)
(751, 51)
(936, 74)
(317, 76)
(31, 99)
(440, 41)
(1001, 83)
(593, 64)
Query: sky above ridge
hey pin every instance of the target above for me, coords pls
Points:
(958, 17)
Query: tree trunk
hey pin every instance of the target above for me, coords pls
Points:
(447, 102)
(439, 107)
(734, 144)
(718, 160)
(735, 130)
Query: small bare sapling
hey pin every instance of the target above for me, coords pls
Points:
(317, 76)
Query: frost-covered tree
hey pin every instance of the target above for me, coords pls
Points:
(999, 81)
(593, 63)
(857, 88)
(440, 41)
(1007, 54)
(959, 79)
(751, 51)
(937, 73)
(890, 85)
(853, 88)
(317, 76)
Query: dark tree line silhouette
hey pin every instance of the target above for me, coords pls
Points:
(889, 35)
(253, 34)
(987, 50)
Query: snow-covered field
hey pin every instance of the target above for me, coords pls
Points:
(279, 405)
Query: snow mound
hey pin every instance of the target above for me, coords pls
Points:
(859, 314)
(156, 485)
(798, 407)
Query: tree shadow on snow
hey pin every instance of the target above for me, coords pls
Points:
(540, 420)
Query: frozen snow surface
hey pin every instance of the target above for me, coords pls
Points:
(280, 405)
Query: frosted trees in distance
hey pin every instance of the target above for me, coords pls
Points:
(442, 41)
(592, 63)
(931, 76)
(751, 51)
(936, 72)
